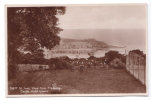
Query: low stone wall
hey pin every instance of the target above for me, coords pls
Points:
(32, 67)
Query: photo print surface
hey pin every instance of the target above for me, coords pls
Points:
(68, 50)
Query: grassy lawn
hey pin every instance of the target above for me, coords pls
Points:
(88, 81)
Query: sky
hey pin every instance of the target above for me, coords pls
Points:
(122, 16)
(122, 24)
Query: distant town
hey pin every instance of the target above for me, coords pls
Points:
(74, 48)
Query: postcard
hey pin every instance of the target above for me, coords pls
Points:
(76, 50)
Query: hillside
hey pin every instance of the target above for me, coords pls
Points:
(74, 48)
(81, 44)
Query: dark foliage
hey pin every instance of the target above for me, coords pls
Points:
(30, 29)
(137, 51)
(59, 63)
(109, 56)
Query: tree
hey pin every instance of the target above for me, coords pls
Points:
(30, 29)
(137, 51)
(109, 56)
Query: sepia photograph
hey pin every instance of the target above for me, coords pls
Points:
(77, 50)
